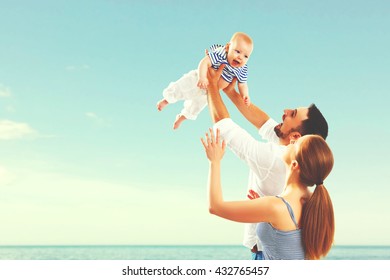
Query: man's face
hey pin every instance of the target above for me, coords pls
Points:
(292, 119)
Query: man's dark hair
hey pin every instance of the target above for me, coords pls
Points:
(314, 124)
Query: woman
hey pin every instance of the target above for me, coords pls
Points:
(298, 224)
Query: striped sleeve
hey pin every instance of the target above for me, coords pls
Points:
(217, 55)
(241, 74)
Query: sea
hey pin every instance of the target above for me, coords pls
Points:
(198, 252)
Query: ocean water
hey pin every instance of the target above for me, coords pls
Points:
(170, 253)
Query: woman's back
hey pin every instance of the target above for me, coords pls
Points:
(279, 244)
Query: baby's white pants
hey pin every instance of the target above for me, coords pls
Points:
(195, 99)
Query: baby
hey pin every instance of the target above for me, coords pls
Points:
(192, 86)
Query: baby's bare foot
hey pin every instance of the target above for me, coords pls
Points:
(161, 104)
(178, 121)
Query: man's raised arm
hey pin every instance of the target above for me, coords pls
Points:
(216, 106)
(252, 113)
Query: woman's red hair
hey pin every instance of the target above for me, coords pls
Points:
(315, 160)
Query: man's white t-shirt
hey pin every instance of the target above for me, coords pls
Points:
(267, 169)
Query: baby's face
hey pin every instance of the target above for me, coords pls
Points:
(239, 52)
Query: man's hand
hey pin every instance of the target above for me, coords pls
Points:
(218, 110)
(231, 88)
(214, 75)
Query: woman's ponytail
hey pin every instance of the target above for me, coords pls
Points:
(317, 224)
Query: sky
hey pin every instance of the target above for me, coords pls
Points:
(86, 158)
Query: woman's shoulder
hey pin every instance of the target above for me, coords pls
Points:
(274, 202)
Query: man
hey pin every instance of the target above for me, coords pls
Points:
(266, 167)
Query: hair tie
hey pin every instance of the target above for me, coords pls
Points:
(320, 183)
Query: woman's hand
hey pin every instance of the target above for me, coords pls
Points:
(252, 194)
(213, 147)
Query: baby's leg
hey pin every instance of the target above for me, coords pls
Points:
(161, 104)
(181, 89)
(179, 119)
(169, 95)
(191, 109)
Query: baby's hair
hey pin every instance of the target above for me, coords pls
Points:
(242, 36)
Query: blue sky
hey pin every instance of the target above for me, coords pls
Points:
(85, 157)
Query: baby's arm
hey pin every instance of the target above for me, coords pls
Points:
(243, 89)
(203, 67)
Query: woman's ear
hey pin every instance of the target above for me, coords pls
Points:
(294, 165)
